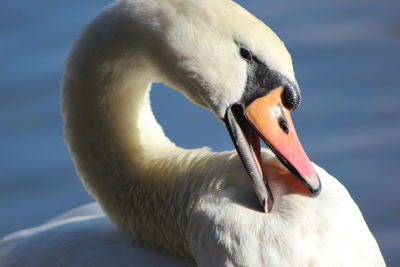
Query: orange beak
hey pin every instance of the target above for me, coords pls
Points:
(275, 126)
(267, 118)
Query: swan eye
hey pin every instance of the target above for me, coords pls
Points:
(245, 54)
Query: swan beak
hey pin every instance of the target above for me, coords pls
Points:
(273, 121)
(267, 118)
(247, 143)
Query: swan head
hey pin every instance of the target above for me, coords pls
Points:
(223, 58)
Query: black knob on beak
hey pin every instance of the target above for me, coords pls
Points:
(291, 96)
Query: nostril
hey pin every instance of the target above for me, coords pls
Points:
(283, 124)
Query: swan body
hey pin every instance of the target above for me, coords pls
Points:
(82, 228)
(193, 206)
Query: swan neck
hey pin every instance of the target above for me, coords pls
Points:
(120, 151)
(116, 112)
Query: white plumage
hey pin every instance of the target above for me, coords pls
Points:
(195, 205)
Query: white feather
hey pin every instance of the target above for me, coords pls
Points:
(191, 204)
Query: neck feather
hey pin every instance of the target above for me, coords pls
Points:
(120, 151)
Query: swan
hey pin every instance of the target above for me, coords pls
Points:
(170, 206)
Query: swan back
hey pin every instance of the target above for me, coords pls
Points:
(325, 231)
(80, 237)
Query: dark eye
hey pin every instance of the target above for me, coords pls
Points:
(245, 54)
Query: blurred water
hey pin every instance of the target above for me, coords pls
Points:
(346, 56)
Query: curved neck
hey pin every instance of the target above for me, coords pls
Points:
(121, 152)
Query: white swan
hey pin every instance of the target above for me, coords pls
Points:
(194, 205)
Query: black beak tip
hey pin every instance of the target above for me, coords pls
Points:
(315, 191)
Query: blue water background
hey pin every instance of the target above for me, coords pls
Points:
(346, 55)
